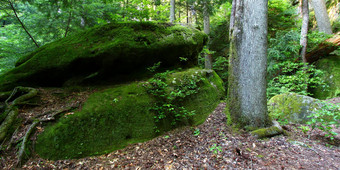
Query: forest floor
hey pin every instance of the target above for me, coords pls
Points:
(212, 145)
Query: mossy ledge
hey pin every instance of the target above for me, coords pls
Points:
(111, 53)
(118, 116)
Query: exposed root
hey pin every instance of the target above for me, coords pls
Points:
(24, 142)
(12, 111)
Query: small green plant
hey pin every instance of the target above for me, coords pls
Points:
(326, 118)
(197, 132)
(304, 128)
(215, 149)
(154, 67)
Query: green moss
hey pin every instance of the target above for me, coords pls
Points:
(114, 52)
(291, 108)
(331, 66)
(118, 116)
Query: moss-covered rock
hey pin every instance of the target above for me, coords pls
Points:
(292, 108)
(121, 115)
(331, 67)
(117, 51)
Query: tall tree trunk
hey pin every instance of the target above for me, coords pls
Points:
(206, 21)
(324, 25)
(172, 11)
(248, 65)
(22, 24)
(304, 30)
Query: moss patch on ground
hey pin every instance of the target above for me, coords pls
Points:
(113, 52)
(331, 66)
(118, 116)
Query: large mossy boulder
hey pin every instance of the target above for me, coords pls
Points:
(113, 52)
(118, 116)
(331, 67)
(292, 108)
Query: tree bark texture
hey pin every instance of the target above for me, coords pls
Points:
(172, 11)
(321, 15)
(248, 63)
(206, 22)
(304, 30)
(22, 24)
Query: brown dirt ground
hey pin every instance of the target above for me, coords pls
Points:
(215, 146)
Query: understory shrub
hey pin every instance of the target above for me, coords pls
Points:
(326, 118)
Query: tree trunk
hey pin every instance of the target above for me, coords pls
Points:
(324, 25)
(187, 6)
(304, 29)
(172, 11)
(248, 62)
(22, 24)
(206, 21)
(68, 24)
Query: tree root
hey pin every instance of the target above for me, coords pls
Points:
(12, 111)
(271, 131)
(32, 127)
(24, 142)
(7, 123)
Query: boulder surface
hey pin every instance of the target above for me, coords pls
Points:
(114, 52)
(292, 108)
(118, 116)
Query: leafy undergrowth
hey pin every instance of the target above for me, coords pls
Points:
(212, 145)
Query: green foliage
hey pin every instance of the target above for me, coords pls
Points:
(326, 118)
(286, 72)
(315, 38)
(281, 117)
(281, 16)
(197, 132)
(295, 77)
(215, 149)
(169, 102)
(220, 66)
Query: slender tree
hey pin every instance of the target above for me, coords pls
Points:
(172, 11)
(206, 23)
(304, 29)
(248, 62)
(324, 25)
(22, 24)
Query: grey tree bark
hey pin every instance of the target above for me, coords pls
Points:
(322, 19)
(172, 11)
(304, 29)
(206, 22)
(248, 64)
